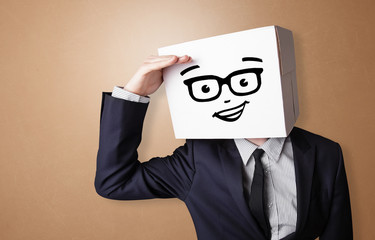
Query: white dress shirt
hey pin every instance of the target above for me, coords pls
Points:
(278, 165)
(119, 92)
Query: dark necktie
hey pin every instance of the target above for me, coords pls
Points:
(257, 201)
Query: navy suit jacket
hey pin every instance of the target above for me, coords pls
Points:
(207, 176)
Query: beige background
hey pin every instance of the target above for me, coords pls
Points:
(56, 57)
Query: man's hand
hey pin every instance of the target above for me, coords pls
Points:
(149, 77)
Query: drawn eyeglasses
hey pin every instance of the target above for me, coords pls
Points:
(208, 87)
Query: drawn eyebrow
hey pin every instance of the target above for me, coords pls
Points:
(189, 69)
(252, 59)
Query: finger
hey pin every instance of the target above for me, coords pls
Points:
(153, 58)
(174, 60)
(184, 59)
(158, 65)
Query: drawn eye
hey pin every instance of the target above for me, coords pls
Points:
(244, 83)
(205, 89)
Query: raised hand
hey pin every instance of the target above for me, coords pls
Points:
(149, 77)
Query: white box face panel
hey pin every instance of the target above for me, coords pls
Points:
(231, 89)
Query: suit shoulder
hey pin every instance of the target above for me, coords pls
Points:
(314, 138)
(328, 153)
(206, 142)
(199, 143)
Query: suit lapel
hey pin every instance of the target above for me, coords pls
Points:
(304, 161)
(232, 168)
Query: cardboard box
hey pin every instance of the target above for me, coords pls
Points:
(239, 85)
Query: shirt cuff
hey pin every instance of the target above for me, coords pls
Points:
(120, 92)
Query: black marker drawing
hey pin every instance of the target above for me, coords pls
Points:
(255, 59)
(231, 114)
(189, 69)
(241, 83)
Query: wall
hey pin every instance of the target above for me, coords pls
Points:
(56, 57)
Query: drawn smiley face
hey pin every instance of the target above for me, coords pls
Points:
(207, 88)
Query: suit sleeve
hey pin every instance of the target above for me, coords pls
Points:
(120, 175)
(340, 219)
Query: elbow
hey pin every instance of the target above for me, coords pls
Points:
(106, 190)
(101, 193)
(100, 190)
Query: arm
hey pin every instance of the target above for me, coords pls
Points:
(339, 224)
(119, 173)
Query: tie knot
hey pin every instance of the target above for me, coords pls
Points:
(258, 153)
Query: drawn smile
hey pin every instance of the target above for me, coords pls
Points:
(231, 114)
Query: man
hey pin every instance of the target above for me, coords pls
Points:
(307, 192)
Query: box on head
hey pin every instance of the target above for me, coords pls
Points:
(239, 85)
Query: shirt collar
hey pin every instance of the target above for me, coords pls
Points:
(272, 147)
